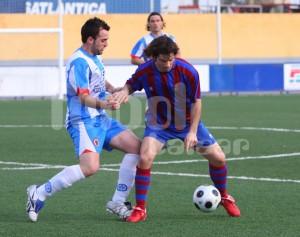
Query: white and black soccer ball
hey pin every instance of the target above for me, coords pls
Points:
(207, 198)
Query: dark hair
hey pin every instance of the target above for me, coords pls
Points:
(161, 45)
(154, 14)
(92, 27)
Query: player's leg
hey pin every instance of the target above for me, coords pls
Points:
(130, 144)
(218, 174)
(149, 150)
(217, 165)
(89, 149)
(211, 150)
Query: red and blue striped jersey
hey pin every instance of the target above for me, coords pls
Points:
(170, 94)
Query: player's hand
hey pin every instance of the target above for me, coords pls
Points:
(111, 103)
(116, 89)
(190, 141)
(121, 96)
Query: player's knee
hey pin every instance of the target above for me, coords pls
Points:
(214, 154)
(146, 161)
(90, 169)
(220, 158)
(94, 169)
(218, 155)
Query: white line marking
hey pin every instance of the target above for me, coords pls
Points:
(25, 164)
(46, 166)
(230, 159)
(228, 177)
(257, 129)
(29, 126)
(37, 166)
(141, 126)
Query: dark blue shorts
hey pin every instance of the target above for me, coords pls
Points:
(163, 135)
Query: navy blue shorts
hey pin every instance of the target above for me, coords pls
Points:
(205, 139)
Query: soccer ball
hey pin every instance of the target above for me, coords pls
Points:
(206, 198)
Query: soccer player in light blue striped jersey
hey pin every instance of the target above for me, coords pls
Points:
(155, 24)
(172, 87)
(90, 128)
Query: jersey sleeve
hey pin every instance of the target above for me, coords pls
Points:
(138, 49)
(172, 38)
(135, 82)
(196, 89)
(193, 86)
(78, 76)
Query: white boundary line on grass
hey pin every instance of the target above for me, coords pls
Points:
(258, 129)
(35, 166)
(231, 159)
(138, 126)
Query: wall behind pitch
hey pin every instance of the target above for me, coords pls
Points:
(243, 35)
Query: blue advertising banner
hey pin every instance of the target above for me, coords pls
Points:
(258, 77)
(8, 6)
(78, 6)
(246, 77)
(221, 78)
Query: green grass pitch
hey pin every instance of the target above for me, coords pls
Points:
(259, 134)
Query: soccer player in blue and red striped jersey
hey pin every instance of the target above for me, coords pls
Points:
(173, 92)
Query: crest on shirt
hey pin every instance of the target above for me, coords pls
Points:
(96, 142)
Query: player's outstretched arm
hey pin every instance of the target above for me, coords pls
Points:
(89, 101)
(111, 89)
(137, 61)
(191, 139)
(122, 95)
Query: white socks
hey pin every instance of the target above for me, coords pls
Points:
(126, 177)
(73, 174)
(62, 180)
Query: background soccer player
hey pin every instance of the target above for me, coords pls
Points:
(155, 24)
(172, 88)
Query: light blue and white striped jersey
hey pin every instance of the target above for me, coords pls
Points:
(138, 49)
(84, 73)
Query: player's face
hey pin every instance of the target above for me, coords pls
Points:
(155, 24)
(100, 43)
(164, 63)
